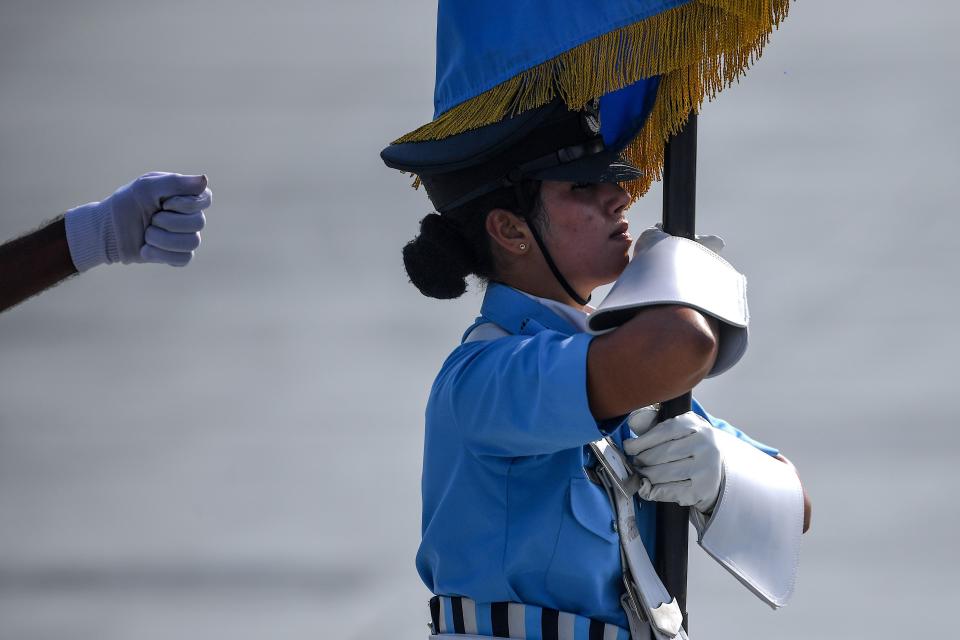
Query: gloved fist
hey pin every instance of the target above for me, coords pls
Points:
(678, 459)
(155, 218)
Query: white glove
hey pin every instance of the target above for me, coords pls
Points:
(155, 218)
(679, 459)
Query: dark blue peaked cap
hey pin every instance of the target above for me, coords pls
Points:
(547, 143)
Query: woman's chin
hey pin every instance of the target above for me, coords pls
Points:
(602, 275)
(620, 267)
(613, 275)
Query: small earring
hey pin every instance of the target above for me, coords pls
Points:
(523, 246)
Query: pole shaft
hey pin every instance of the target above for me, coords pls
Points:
(680, 181)
(679, 219)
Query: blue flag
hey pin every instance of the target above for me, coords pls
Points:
(648, 62)
(482, 44)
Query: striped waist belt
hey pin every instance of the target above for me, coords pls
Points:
(514, 620)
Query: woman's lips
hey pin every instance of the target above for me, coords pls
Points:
(621, 233)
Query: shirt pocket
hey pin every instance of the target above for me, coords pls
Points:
(591, 507)
(586, 560)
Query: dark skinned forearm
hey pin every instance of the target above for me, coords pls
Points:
(34, 262)
(660, 353)
(807, 505)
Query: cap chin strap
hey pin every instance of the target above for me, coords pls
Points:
(528, 216)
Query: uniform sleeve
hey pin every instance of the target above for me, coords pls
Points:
(723, 425)
(754, 529)
(518, 395)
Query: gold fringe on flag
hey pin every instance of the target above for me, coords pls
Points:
(698, 48)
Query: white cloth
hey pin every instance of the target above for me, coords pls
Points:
(668, 269)
(757, 497)
(760, 502)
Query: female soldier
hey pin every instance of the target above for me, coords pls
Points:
(519, 541)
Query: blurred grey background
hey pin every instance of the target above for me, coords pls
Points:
(232, 450)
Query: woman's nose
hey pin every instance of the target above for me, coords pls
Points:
(615, 198)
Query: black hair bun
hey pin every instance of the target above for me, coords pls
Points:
(439, 259)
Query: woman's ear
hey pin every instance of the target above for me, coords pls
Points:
(509, 231)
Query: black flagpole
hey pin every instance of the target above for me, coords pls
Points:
(679, 204)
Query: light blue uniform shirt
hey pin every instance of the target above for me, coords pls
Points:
(508, 511)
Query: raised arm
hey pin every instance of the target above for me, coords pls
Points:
(677, 313)
(33, 263)
(660, 353)
(155, 218)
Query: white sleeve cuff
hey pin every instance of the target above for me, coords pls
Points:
(673, 270)
(90, 236)
(755, 528)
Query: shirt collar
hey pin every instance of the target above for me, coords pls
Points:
(513, 310)
(574, 316)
